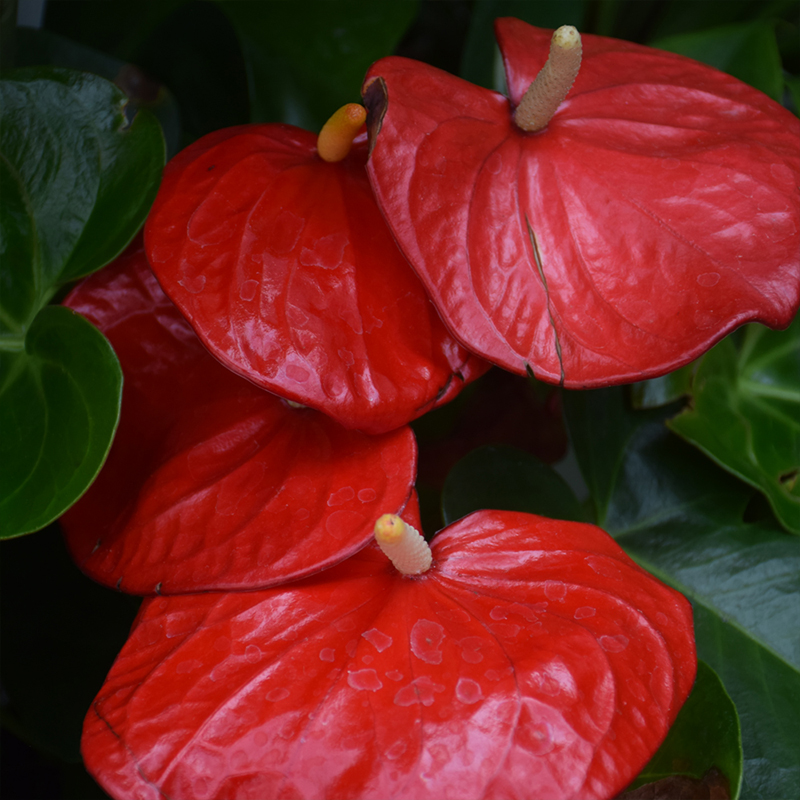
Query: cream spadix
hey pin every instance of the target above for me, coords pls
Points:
(403, 544)
(552, 84)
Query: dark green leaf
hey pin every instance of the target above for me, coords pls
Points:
(306, 60)
(766, 692)
(59, 407)
(664, 390)
(793, 87)
(747, 51)
(505, 478)
(84, 177)
(37, 47)
(600, 427)
(745, 414)
(705, 735)
(682, 518)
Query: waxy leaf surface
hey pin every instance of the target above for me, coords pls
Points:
(684, 519)
(77, 181)
(533, 659)
(59, 407)
(745, 414)
(705, 735)
(657, 211)
(284, 267)
(213, 483)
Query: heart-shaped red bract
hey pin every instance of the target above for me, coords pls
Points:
(534, 659)
(286, 270)
(656, 212)
(212, 483)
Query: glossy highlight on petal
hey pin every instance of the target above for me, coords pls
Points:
(656, 212)
(211, 483)
(286, 270)
(359, 683)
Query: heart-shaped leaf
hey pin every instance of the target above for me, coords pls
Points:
(59, 407)
(77, 183)
(654, 213)
(682, 518)
(81, 180)
(284, 267)
(533, 659)
(745, 414)
(211, 482)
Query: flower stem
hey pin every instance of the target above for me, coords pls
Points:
(337, 134)
(553, 82)
(404, 545)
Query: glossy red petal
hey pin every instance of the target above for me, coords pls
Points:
(285, 268)
(211, 482)
(656, 212)
(534, 659)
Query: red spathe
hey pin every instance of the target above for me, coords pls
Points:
(656, 212)
(286, 270)
(213, 483)
(534, 659)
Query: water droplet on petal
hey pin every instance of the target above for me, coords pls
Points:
(613, 644)
(379, 640)
(327, 654)
(364, 680)
(426, 641)
(584, 612)
(708, 279)
(247, 291)
(275, 695)
(468, 691)
(555, 590)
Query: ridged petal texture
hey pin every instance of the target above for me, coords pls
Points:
(213, 483)
(656, 212)
(534, 659)
(286, 270)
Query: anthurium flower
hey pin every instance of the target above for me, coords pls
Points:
(282, 263)
(620, 234)
(532, 658)
(212, 483)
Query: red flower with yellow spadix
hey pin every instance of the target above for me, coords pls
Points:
(271, 244)
(516, 657)
(213, 483)
(595, 232)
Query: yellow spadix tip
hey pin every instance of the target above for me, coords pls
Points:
(337, 134)
(389, 529)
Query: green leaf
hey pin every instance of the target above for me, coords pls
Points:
(684, 519)
(748, 51)
(505, 478)
(767, 697)
(79, 179)
(36, 47)
(706, 734)
(59, 407)
(306, 60)
(745, 414)
(662, 391)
